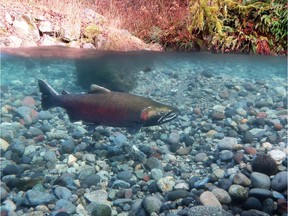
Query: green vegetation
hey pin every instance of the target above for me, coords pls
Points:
(217, 25)
(230, 26)
(245, 26)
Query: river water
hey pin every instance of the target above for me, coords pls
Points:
(233, 110)
(104, 67)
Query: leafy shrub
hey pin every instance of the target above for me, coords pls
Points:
(219, 25)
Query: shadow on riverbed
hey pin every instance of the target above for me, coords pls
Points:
(114, 70)
(118, 70)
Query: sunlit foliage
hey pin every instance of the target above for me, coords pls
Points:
(231, 26)
(217, 25)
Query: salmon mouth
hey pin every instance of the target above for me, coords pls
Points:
(167, 117)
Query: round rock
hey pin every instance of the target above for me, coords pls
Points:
(222, 195)
(241, 179)
(227, 143)
(153, 162)
(277, 155)
(68, 146)
(238, 192)
(226, 155)
(151, 204)
(252, 203)
(65, 204)
(264, 164)
(207, 210)
(207, 198)
(166, 184)
(260, 193)
(174, 195)
(62, 193)
(260, 180)
(101, 210)
(279, 182)
(200, 157)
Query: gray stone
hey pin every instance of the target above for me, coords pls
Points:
(62, 193)
(151, 204)
(35, 197)
(207, 198)
(200, 157)
(68, 146)
(92, 179)
(98, 196)
(156, 174)
(279, 182)
(254, 212)
(260, 193)
(65, 204)
(119, 139)
(89, 157)
(252, 203)
(174, 138)
(247, 137)
(153, 162)
(17, 146)
(207, 210)
(227, 143)
(86, 171)
(118, 184)
(137, 208)
(3, 193)
(268, 206)
(9, 205)
(125, 175)
(241, 179)
(260, 180)
(226, 155)
(33, 131)
(174, 195)
(238, 192)
(222, 195)
(121, 201)
(43, 115)
(101, 210)
(50, 156)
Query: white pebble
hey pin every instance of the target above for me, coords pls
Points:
(71, 159)
(267, 145)
(277, 155)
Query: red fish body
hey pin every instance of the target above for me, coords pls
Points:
(101, 106)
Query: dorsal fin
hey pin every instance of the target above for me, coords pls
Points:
(95, 89)
(64, 92)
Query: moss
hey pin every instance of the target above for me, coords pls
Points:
(91, 31)
(228, 25)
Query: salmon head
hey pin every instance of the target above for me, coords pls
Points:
(158, 114)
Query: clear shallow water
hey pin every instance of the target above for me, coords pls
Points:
(57, 63)
(201, 85)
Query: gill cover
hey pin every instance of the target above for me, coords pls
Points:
(158, 115)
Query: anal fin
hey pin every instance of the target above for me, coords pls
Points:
(73, 117)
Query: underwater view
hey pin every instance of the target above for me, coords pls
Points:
(211, 139)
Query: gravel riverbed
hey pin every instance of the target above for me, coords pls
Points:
(226, 154)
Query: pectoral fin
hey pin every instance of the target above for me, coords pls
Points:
(134, 129)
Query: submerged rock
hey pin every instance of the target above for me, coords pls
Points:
(151, 204)
(264, 164)
(207, 210)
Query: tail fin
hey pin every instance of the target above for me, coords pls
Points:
(48, 97)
